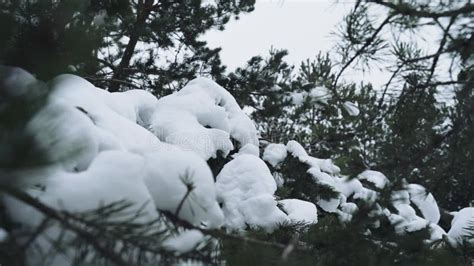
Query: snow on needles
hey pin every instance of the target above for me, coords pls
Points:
(201, 117)
(245, 186)
(103, 147)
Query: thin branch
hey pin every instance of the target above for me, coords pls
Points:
(112, 80)
(180, 205)
(405, 9)
(359, 52)
(222, 234)
(440, 49)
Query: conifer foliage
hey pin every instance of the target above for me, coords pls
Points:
(115, 150)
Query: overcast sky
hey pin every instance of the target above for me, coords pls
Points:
(303, 27)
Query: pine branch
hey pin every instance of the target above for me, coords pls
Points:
(219, 234)
(112, 81)
(359, 52)
(190, 187)
(66, 222)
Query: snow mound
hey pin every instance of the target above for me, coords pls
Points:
(425, 202)
(378, 179)
(182, 183)
(460, 226)
(245, 186)
(72, 145)
(274, 154)
(202, 117)
(300, 210)
(248, 149)
(135, 105)
(326, 165)
(295, 149)
(112, 177)
(117, 129)
(184, 242)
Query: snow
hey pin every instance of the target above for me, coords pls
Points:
(349, 207)
(300, 210)
(378, 179)
(351, 108)
(182, 117)
(315, 95)
(184, 242)
(248, 149)
(114, 130)
(274, 154)
(245, 186)
(170, 173)
(136, 105)
(462, 221)
(99, 18)
(402, 225)
(320, 94)
(326, 165)
(73, 145)
(349, 186)
(113, 176)
(436, 232)
(15, 81)
(329, 205)
(400, 197)
(297, 98)
(295, 149)
(261, 211)
(3, 235)
(105, 147)
(425, 202)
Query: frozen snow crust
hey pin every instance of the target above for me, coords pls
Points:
(105, 147)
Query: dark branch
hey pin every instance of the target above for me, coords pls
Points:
(359, 52)
(405, 9)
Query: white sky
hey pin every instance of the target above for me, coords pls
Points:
(302, 27)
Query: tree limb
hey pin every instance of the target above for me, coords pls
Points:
(405, 9)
